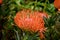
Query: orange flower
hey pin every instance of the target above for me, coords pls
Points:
(57, 4)
(31, 21)
(0, 1)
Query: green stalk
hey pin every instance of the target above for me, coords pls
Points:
(17, 34)
(45, 6)
(35, 4)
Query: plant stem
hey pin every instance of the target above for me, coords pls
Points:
(45, 5)
(17, 34)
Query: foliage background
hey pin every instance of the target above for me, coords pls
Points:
(8, 29)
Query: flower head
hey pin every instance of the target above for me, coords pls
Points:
(57, 4)
(30, 20)
(0, 1)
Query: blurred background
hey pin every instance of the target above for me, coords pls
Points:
(10, 31)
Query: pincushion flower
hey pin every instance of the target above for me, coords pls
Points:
(31, 21)
(57, 4)
(0, 1)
